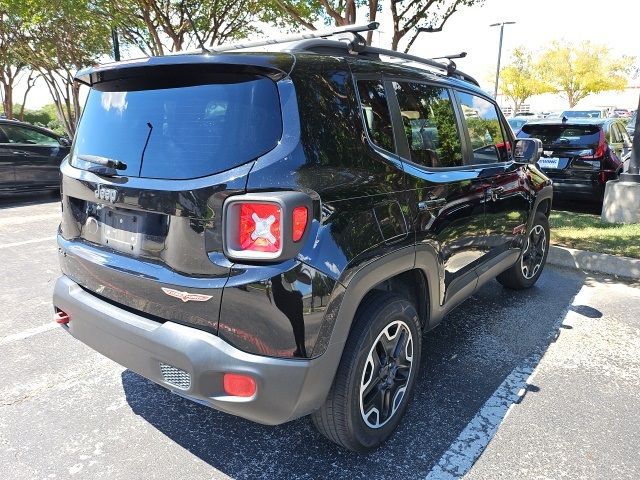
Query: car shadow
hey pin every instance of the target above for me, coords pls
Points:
(30, 198)
(464, 361)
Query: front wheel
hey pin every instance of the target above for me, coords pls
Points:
(376, 376)
(526, 271)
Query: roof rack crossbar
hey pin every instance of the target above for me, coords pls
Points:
(450, 68)
(355, 29)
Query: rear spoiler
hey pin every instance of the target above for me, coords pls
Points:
(274, 65)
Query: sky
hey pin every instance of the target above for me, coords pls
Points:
(614, 23)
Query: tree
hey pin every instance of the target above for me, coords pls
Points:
(58, 38)
(160, 26)
(11, 66)
(578, 71)
(410, 17)
(413, 17)
(520, 79)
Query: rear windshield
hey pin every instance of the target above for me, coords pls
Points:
(183, 132)
(563, 135)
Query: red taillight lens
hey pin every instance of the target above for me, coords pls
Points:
(299, 222)
(238, 385)
(259, 228)
(601, 149)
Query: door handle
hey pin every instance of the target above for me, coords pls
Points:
(434, 204)
(494, 193)
(22, 154)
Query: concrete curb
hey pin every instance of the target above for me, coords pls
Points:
(624, 267)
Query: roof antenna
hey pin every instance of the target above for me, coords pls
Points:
(195, 30)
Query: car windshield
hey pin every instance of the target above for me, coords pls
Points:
(581, 114)
(182, 132)
(563, 135)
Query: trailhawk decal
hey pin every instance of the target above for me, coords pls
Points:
(186, 296)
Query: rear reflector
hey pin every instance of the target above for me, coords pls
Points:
(238, 385)
(61, 317)
(259, 228)
(299, 223)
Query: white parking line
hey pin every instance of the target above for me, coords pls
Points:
(27, 242)
(28, 333)
(24, 219)
(472, 441)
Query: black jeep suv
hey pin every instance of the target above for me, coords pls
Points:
(270, 234)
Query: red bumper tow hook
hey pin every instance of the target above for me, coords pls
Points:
(61, 317)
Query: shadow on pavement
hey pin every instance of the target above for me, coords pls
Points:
(24, 199)
(465, 360)
(594, 208)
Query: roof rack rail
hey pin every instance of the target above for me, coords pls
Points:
(316, 40)
(450, 69)
(450, 57)
(354, 29)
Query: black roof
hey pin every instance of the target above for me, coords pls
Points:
(276, 63)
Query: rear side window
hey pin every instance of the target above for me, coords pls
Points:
(376, 113)
(182, 132)
(429, 124)
(563, 135)
(485, 130)
(27, 136)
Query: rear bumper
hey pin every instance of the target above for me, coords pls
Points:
(586, 189)
(286, 389)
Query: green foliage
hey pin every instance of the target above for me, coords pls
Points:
(520, 79)
(56, 38)
(45, 116)
(578, 71)
(161, 26)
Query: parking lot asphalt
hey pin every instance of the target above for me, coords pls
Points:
(536, 384)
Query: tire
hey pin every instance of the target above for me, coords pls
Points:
(346, 418)
(526, 271)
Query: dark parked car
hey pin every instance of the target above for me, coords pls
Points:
(581, 155)
(30, 157)
(270, 234)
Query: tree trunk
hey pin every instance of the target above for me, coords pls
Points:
(373, 12)
(7, 99)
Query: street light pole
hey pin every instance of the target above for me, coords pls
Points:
(501, 25)
(633, 173)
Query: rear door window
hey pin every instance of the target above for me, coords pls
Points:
(569, 136)
(486, 134)
(183, 132)
(430, 124)
(376, 113)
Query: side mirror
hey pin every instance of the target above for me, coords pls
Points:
(527, 150)
(64, 141)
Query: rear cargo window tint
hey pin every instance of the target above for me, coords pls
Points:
(563, 135)
(184, 132)
(376, 113)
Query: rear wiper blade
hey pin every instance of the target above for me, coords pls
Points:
(103, 161)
